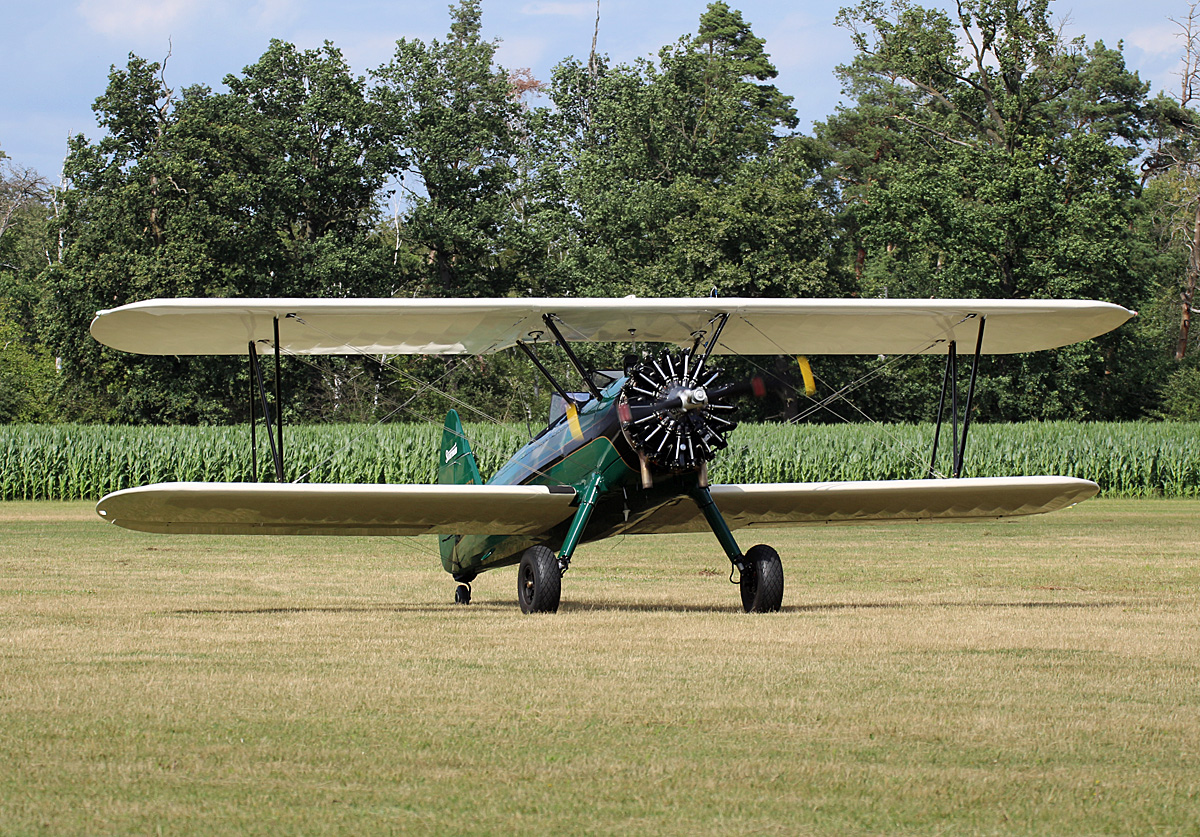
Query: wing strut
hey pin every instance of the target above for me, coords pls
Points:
(274, 428)
(950, 382)
(583, 371)
(566, 396)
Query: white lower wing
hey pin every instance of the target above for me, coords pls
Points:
(331, 509)
(799, 504)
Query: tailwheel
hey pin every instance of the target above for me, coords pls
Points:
(539, 581)
(462, 594)
(762, 580)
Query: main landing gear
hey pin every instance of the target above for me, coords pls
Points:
(539, 576)
(762, 580)
(539, 581)
(760, 571)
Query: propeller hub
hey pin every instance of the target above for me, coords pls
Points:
(694, 399)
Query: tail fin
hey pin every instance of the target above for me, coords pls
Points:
(457, 465)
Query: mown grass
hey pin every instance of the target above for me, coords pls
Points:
(1035, 676)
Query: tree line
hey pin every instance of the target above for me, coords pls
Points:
(981, 154)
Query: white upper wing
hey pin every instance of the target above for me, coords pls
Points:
(482, 326)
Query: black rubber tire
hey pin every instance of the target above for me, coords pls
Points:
(539, 582)
(762, 580)
(462, 594)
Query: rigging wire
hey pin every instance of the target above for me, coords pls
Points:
(823, 404)
(906, 448)
(423, 386)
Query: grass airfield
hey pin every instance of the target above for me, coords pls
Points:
(1036, 676)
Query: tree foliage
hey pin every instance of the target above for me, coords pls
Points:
(266, 190)
(672, 177)
(980, 154)
(26, 367)
(455, 123)
(989, 157)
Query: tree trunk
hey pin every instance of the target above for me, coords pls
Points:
(783, 371)
(1189, 288)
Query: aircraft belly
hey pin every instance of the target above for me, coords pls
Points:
(474, 554)
(620, 513)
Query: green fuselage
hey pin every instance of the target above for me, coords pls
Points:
(570, 452)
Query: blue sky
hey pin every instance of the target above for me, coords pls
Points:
(57, 53)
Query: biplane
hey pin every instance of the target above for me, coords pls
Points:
(629, 455)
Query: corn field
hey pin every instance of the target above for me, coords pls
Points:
(67, 462)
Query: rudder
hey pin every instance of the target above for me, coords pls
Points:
(456, 466)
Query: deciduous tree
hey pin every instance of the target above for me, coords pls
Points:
(673, 176)
(987, 156)
(454, 119)
(268, 189)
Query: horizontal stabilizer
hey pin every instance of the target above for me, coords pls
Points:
(330, 509)
(799, 504)
(481, 326)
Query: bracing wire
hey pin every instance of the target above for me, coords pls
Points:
(818, 405)
(842, 394)
(422, 387)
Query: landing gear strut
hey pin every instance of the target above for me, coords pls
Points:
(760, 571)
(539, 578)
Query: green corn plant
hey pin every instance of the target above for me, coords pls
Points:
(70, 462)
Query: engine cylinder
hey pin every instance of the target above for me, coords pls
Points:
(671, 412)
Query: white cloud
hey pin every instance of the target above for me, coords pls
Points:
(804, 43)
(160, 19)
(362, 51)
(271, 12)
(522, 52)
(565, 9)
(139, 18)
(1163, 39)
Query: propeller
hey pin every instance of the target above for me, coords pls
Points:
(674, 415)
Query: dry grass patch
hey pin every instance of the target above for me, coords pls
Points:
(1036, 676)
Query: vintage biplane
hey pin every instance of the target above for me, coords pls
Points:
(628, 456)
